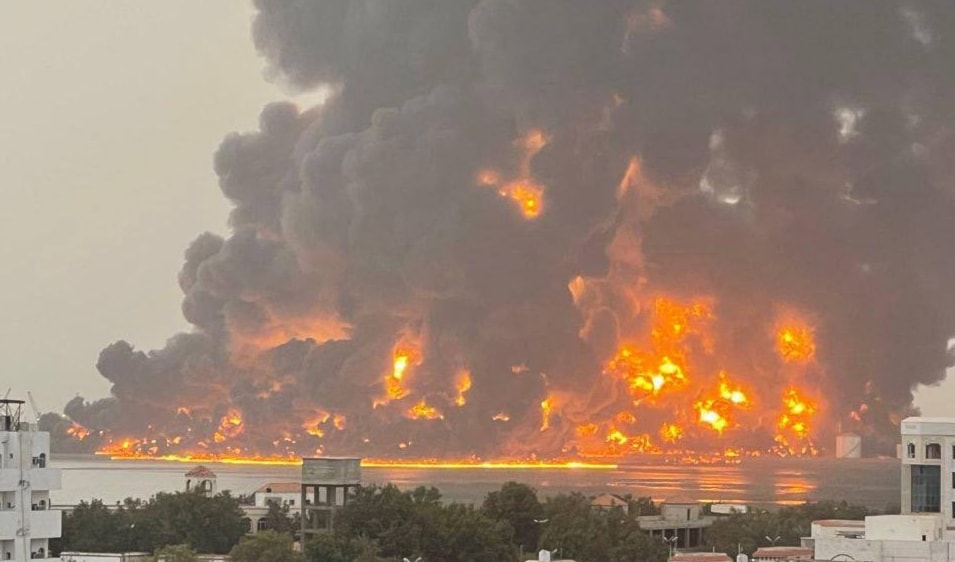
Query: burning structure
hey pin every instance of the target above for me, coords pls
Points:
(553, 228)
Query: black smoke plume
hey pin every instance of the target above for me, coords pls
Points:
(790, 154)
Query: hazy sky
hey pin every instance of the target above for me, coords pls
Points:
(109, 115)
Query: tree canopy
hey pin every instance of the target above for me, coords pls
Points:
(206, 524)
(266, 546)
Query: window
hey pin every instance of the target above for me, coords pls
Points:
(911, 450)
(933, 451)
(262, 525)
(926, 489)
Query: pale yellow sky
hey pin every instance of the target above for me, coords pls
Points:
(109, 115)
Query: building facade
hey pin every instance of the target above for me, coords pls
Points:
(282, 494)
(26, 521)
(925, 530)
(327, 484)
(928, 467)
(681, 523)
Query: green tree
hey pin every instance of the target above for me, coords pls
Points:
(642, 506)
(208, 524)
(748, 531)
(92, 527)
(601, 535)
(267, 546)
(516, 504)
(278, 519)
(175, 553)
(326, 547)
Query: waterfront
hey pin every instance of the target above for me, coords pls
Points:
(758, 482)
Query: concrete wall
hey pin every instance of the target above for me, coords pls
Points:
(832, 529)
(884, 551)
(904, 527)
(291, 499)
(104, 557)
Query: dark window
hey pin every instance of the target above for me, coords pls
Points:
(911, 450)
(926, 489)
(262, 525)
(933, 451)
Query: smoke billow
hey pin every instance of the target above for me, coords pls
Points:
(517, 226)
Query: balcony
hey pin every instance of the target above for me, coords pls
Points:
(42, 524)
(37, 479)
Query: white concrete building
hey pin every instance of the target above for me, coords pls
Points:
(925, 530)
(928, 467)
(282, 494)
(26, 521)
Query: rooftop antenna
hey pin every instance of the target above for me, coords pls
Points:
(36, 412)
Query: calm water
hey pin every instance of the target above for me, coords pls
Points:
(764, 482)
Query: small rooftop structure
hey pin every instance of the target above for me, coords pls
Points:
(681, 522)
(201, 480)
(610, 501)
(831, 528)
(280, 488)
(201, 472)
(10, 414)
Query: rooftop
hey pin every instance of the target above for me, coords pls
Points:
(855, 523)
(700, 557)
(782, 552)
(280, 488)
(201, 472)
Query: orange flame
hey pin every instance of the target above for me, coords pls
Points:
(795, 340)
(546, 408)
(423, 411)
(78, 432)
(462, 385)
(395, 384)
(523, 189)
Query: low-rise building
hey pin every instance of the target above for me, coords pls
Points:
(785, 553)
(282, 494)
(680, 523)
(610, 501)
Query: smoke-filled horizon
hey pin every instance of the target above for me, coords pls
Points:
(559, 228)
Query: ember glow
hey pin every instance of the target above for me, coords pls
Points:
(510, 233)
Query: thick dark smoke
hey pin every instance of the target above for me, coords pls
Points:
(791, 155)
